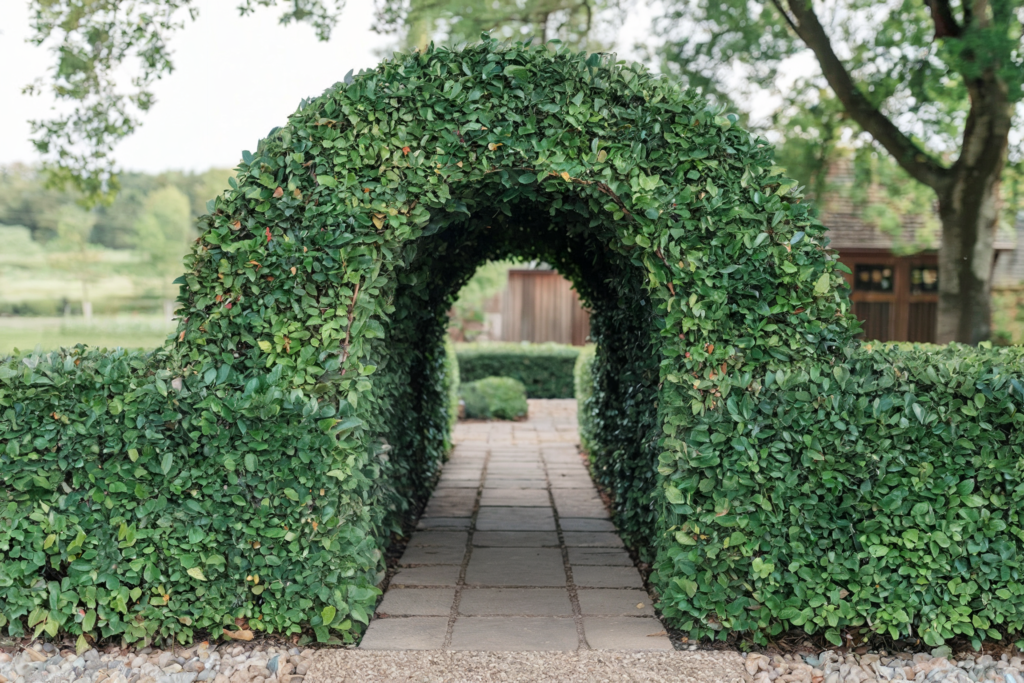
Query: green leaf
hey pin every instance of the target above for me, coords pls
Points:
(88, 621)
(527, 178)
(166, 462)
(196, 573)
(328, 615)
(674, 495)
(821, 286)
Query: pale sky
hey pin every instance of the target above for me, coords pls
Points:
(235, 78)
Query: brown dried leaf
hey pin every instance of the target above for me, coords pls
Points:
(237, 635)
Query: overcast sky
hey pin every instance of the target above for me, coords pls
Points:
(235, 78)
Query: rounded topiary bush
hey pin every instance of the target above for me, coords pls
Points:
(500, 398)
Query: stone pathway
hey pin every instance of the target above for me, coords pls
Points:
(515, 552)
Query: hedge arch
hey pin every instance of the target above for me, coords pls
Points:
(325, 272)
(252, 471)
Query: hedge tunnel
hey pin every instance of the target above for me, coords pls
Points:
(256, 467)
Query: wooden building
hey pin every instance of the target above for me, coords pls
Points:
(894, 284)
(539, 305)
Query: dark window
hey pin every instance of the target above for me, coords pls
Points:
(872, 278)
(924, 280)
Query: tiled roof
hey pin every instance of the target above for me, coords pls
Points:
(847, 228)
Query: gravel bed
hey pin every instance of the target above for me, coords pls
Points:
(585, 666)
(937, 667)
(218, 663)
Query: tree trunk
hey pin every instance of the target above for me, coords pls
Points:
(968, 211)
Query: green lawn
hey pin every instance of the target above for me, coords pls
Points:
(129, 331)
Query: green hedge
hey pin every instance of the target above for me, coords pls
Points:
(139, 497)
(587, 415)
(452, 382)
(890, 489)
(501, 398)
(546, 370)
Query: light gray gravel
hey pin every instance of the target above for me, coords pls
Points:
(201, 663)
(940, 666)
(585, 666)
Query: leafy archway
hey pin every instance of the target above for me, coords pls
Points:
(253, 470)
(322, 278)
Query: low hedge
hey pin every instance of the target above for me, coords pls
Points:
(887, 494)
(587, 414)
(139, 497)
(501, 398)
(452, 382)
(546, 370)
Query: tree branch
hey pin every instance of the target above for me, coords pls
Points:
(907, 154)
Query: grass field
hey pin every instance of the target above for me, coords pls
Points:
(128, 331)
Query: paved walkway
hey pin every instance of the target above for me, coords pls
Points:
(515, 552)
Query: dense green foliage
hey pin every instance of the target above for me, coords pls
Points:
(499, 398)
(127, 509)
(583, 390)
(452, 382)
(897, 482)
(888, 490)
(311, 357)
(544, 369)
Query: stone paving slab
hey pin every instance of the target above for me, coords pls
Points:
(615, 602)
(606, 577)
(450, 523)
(592, 510)
(586, 524)
(440, 538)
(516, 567)
(427, 576)
(515, 484)
(516, 634)
(516, 539)
(513, 497)
(515, 519)
(626, 633)
(405, 633)
(418, 602)
(433, 555)
(515, 601)
(608, 557)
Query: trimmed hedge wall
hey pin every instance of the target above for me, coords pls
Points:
(127, 508)
(888, 489)
(544, 369)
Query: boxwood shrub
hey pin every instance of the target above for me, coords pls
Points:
(544, 369)
(501, 398)
(255, 467)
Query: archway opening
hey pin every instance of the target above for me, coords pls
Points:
(625, 323)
